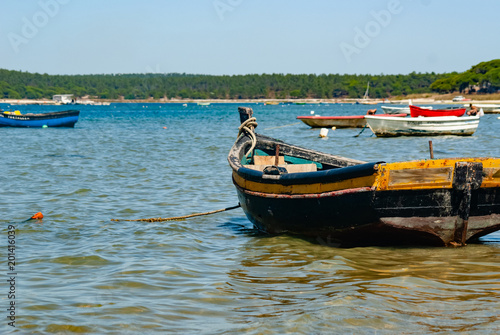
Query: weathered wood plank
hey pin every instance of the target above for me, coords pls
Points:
(468, 176)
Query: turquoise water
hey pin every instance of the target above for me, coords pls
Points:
(79, 272)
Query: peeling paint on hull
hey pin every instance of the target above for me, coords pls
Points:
(373, 217)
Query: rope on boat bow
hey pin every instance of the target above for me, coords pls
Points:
(248, 127)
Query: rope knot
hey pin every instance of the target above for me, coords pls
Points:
(248, 127)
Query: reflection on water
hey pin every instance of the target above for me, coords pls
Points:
(292, 285)
(80, 272)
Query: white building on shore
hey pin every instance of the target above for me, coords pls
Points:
(63, 99)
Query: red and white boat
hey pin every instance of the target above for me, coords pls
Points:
(418, 111)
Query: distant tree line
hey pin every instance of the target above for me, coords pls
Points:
(481, 78)
(19, 85)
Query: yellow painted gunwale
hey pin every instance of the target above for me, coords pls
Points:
(422, 174)
(433, 179)
(315, 188)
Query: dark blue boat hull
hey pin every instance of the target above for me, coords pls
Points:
(55, 119)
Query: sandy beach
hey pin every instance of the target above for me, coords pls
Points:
(444, 99)
(264, 101)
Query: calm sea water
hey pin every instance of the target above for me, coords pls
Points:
(79, 272)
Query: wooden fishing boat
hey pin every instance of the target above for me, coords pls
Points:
(348, 121)
(416, 111)
(31, 120)
(284, 188)
(423, 126)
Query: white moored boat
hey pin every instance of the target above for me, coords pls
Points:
(395, 110)
(399, 110)
(422, 126)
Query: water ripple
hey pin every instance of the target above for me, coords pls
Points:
(80, 272)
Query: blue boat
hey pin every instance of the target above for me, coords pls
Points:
(31, 120)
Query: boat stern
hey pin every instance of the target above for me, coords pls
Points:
(454, 200)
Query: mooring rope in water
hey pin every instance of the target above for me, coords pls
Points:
(362, 130)
(179, 218)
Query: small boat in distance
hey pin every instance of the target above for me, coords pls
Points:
(366, 98)
(283, 188)
(422, 126)
(416, 111)
(348, 121)
(203, 103)
(367, 102)
(397, 110)
(32, 120)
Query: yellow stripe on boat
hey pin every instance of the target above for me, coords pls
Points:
(412, 175)
(314, 188)
(429, 174)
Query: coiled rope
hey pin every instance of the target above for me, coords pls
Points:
(179, 218)
(248, 127)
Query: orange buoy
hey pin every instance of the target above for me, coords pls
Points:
(37, 216)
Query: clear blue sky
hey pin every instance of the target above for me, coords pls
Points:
(247, 36)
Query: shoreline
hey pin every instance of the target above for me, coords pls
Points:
(98, 102)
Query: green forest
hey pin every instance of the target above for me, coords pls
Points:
(481, 78)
